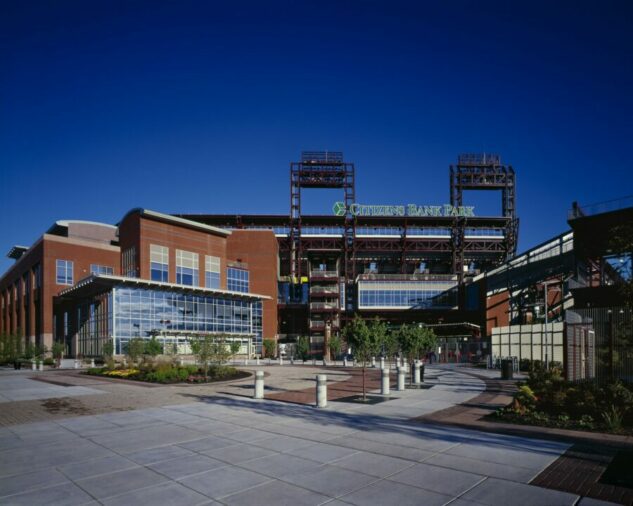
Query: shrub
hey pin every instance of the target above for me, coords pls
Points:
(612, 418)
(49, 361)
(524, 400)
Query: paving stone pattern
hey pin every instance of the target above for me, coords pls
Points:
(227, 449)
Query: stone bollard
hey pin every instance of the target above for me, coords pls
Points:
(382, 362)
(385, 381)
(92, 362)
(259, 385)
(373, 361)
(281, 360)
(292, 361)
(416, 372)
(345, 362)
(41, 366)
(33, 366)
(77, 363)
(256, 360)
(245, 361)
(401, 373)
(321, 391)
(324, 363)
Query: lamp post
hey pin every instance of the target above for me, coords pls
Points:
(164, 323)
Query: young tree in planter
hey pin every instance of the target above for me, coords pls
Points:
(153, 347)
(235, 349)
(58, 352)
(204, 348)
(269, 348)
(107, 352)
(135, 349)
(303, 348)
(336, 345)
(363, 339)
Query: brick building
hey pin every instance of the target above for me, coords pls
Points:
(84, 283)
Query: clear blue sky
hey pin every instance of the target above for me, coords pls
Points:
(195, 106)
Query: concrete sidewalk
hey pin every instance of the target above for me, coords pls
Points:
(224, 449)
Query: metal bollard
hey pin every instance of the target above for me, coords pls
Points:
(382, 362)
(401, 372)
(385, 381)
(259, 385)
(373, 361)
(416, 372)
(321, 391)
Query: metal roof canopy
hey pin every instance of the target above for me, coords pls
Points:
(97, 282)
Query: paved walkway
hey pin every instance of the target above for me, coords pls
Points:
(225, 449)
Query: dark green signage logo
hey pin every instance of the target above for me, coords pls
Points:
(445, 210)
(339, 208)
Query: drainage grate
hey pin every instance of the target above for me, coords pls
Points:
(370, 399)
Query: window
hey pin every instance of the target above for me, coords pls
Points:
(211, 271)
(101, 269)
(237, 279)
(64, 272)
(128, 263)
(186, 268)
(159, 263)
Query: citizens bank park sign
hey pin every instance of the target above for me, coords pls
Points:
(445, 210)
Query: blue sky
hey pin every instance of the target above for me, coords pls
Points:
(194, 106)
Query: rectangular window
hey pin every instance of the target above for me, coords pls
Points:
(128, 262)
(186, 268)
(64, 272)
(237, 279)
(101, 269)
(159, 263)
(211, 271)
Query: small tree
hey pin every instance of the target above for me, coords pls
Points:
(336, 345)
(204, 349)
(363, 339)
(58, 352)
(235, 349)
(108, 353)
(269, 348)
(135, 349)
(303, 348)
(153, 347)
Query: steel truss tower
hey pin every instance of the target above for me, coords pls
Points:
(482, 172)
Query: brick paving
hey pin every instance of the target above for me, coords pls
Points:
(579, 470)
(353, 385)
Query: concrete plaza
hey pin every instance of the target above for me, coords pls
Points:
(218, 446)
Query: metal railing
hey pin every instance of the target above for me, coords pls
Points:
(599, 208)
(323, 274)
(323, 305)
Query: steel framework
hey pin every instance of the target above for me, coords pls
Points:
(482, 172)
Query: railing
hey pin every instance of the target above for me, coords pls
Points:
(599, 208)
(478, 159)
(320, 324)
(323, 290)
(322, 156)
(323, 274)
(407, 277)
(323, 305)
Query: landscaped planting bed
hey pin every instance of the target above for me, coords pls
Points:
(170, 373)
